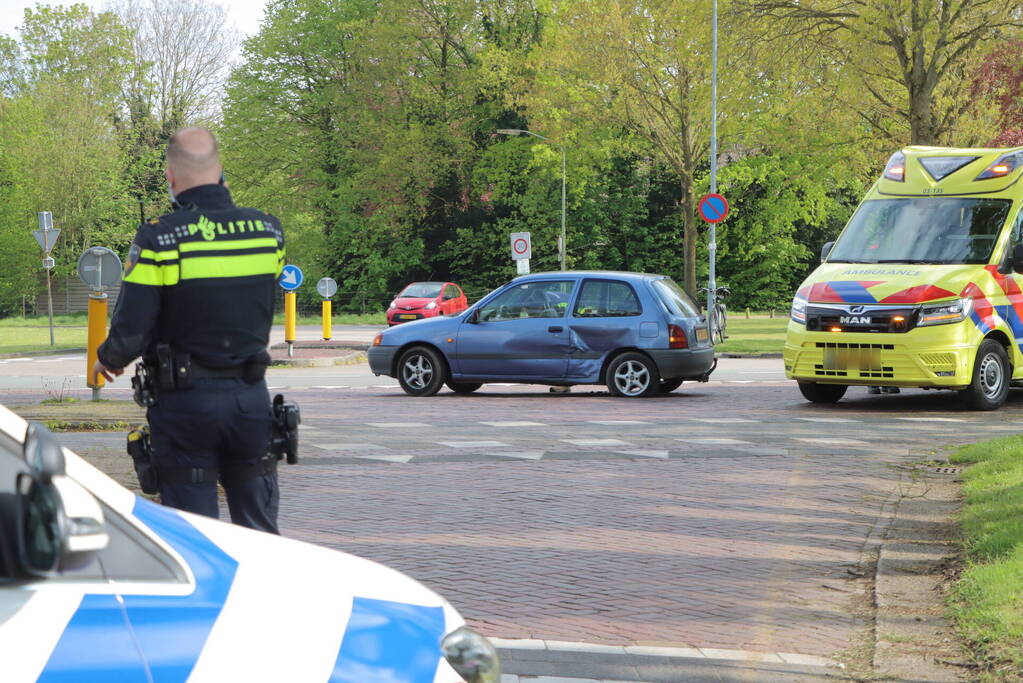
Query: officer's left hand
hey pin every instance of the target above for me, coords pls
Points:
(109, 373)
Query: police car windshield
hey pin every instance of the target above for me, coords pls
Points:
(935, 230)
(421, 290)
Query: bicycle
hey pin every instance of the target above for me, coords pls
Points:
(719, 334)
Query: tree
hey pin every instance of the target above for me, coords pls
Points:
(913, 57)
(643, 67)
(1000, 79)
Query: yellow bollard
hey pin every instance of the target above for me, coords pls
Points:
(326, 319)
(97, 334)
(289, 319)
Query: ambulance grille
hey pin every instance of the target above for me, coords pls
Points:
(939, 362)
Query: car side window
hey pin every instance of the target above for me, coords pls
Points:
(1017, 234)
(606, 299)
(529, 300)
(450, 292)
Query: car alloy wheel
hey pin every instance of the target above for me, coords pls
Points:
(632, 375)
(421, 372)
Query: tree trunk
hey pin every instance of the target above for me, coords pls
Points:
(689, 230)
(921, 115)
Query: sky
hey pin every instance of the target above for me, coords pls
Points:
(246, 14)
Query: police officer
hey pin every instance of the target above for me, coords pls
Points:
(197, 304)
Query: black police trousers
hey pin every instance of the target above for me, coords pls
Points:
(217, 423)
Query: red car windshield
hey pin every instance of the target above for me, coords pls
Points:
(421, 290)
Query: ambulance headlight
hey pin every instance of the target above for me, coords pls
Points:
(895, 169)
(472, 656)
(798, 312)
(944, 313)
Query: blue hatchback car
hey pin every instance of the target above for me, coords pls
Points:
(637, 333)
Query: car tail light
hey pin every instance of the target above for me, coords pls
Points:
(677, 338)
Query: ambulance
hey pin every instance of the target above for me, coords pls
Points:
(922, 287)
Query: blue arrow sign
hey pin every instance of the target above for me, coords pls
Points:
(291, 278)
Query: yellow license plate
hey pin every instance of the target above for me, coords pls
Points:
(701, 334)
(407, 317)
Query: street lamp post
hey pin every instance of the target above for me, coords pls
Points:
(516, 131)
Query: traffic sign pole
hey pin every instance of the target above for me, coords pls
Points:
(96, 336)
(326, 320)
(96, 277)
(289, 321)
(712, 242)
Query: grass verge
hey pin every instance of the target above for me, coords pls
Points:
(754, 335)
(20, 339)
(337, 319)
(987, 599)
(86, 426)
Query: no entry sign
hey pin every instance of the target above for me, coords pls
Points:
(713, 208)
(521, 246)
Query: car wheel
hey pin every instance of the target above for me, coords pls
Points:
(632, 375)
(669, 385)
(421, 372)
(991, 375)
(463, 387)
(822, 393)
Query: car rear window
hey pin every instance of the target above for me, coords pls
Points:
(606, 299)
(675, 298)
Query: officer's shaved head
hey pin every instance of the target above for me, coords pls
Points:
(192, 159)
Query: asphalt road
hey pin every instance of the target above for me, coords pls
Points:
(729, 519)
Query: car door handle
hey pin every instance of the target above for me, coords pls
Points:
(556, 328)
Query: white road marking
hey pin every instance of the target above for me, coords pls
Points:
(834, 442)
(350, 446)
(618, 422)
(524, 455)
(14, 360)
(739, 381)
(472, 444)
(515, 423)
(930, 419)
(331, 386)
(723, 420)
(826, 419)
(386, 386)
(397, 425)
(596, 442)
(717, 442)
(646, 454)
(303, 428)
(386, 458)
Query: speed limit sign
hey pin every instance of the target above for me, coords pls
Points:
(521, 246)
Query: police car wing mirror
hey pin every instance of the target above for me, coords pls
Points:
(825, 250)
(60, 525)
(42, 452)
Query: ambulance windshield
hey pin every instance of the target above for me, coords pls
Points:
(922, 230)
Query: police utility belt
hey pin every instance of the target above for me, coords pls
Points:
(174, 371)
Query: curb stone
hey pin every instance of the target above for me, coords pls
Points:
(47, 352)
(912, 636)
(353, 358)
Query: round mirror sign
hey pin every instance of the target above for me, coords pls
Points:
(99, 268)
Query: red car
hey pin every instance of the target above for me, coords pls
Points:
(426, 300)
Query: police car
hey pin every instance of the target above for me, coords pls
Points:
(98, 584)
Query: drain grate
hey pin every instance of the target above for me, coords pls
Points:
(948, 470)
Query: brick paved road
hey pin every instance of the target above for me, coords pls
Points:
(721, 516)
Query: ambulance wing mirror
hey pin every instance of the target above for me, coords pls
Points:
(1016, 263)
(825, 250)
